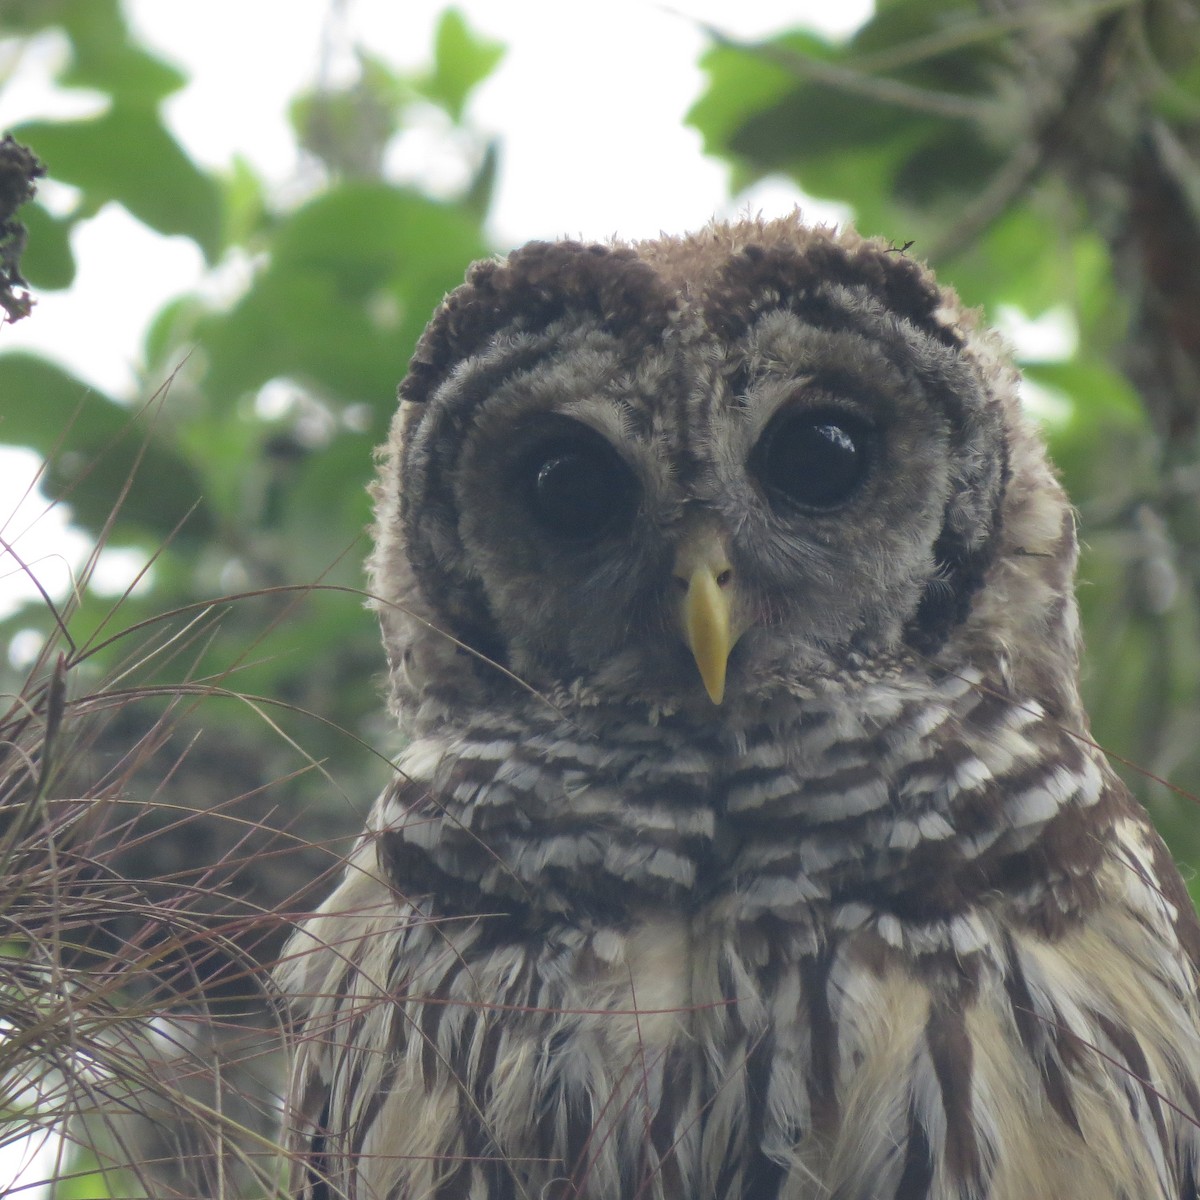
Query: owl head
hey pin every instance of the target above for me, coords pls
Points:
(701, 472)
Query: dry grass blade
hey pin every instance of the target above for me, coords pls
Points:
(112, 1038)
(143, 875)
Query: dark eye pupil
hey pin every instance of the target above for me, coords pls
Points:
(815, 460)
(580, 491)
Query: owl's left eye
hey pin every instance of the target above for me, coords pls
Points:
(815, 459)
(578, 488)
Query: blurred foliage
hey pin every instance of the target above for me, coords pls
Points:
(237, 470)
(1043, 156)
(241, 463)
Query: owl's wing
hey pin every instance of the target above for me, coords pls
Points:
(306, 1109)
(337, 976)
(305, 1134)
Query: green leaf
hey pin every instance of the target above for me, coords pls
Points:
(1099, 393)
(297, 322)
(769, 108)
(944, 169)
(170, 336)
(103, 55)
(244, 205)
(817, 120)
(42, 401)
(741, 84)
(462, 60)
(32, 16)
(932, 43)
(319, 311)
(127, 155)
(326, 505)
(862, 177)
(1101, 310)
(106, 59)
(1100, 447)
(1021, 259)
(47, 261)
(366, 232)
(96, 450)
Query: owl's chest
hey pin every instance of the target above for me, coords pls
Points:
(677, 1056)
(811, 804)
(692, 1053)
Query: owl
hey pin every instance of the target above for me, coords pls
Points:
(748, 842)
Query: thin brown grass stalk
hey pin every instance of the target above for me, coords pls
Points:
(139, 1042)
(105, 981)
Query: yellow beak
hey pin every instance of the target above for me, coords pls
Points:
(711, 626)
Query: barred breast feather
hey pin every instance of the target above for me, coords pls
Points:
(869, 966)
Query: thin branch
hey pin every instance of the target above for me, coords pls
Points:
(857, 83)
(1045, 22)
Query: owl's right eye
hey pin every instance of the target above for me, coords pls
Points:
(578, 488)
